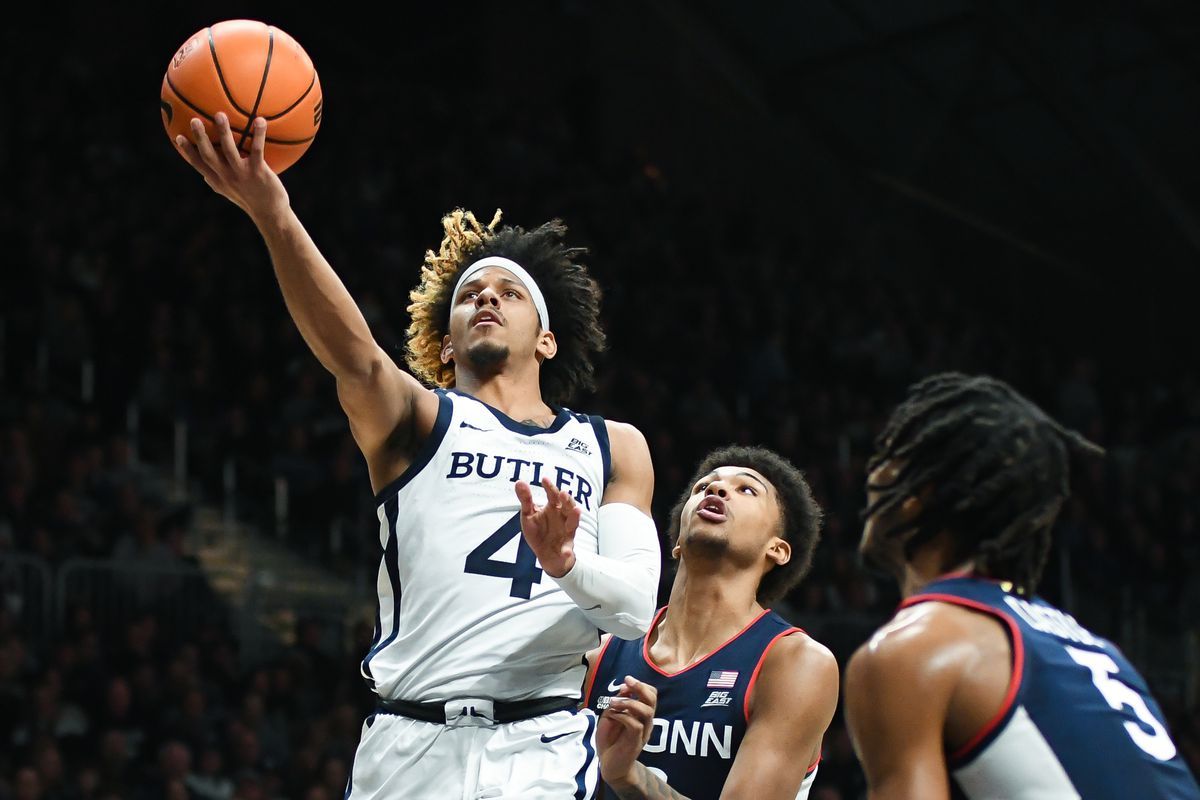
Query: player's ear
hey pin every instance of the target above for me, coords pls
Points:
(675, 552)
(913, 505)
(779, 551)
(447, 353)
(547, 345)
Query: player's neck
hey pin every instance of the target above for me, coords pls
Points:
(928, 564)
(706, 610)
(515, 393)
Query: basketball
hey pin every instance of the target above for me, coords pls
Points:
(247, 69)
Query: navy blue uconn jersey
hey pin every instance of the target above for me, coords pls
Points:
(1078, 720)
(703, 710)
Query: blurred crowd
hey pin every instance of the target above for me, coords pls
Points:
(156, 301)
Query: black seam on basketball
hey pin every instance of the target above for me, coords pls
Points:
(212, 48)
(273, 140)
(209, 117)
(187, 102)
(311, 84)
(261, 86)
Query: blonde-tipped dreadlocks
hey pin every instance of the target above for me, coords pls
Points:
(463, 234)
(572, 297)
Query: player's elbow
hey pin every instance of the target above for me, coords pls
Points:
(633, 622)
(629, 626)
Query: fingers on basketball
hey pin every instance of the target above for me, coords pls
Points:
(225, 140)
(258, 141)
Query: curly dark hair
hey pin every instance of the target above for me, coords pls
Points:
(572, 299)
(800, 523)
(997, 467)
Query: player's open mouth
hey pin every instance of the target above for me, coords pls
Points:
(712, 508)
(485, 318)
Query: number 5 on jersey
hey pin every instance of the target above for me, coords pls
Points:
(524, 572)
(1157, 742)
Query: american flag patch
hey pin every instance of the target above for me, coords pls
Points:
(722, 679)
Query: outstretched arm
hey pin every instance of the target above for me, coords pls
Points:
(616, 587)
(386, 406)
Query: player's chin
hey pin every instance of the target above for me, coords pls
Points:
(705, 536)
(877, 557)
(487, 353)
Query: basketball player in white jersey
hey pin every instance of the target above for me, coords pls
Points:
(723, 697)
(513, 530)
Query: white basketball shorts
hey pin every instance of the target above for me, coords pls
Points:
(551, 757)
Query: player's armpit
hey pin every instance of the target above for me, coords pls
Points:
(790, 707)
(592, 659)
(898, 688)
(390, 414)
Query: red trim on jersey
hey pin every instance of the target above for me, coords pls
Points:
(954, 573)
(757, 667)
(812, 767)
(698, 662)
(595, 670)
(1018, 666)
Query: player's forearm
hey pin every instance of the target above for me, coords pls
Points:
(323, 310)
(617, 597)
(642, 784)
(617, 588)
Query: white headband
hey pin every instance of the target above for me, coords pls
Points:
(531, 286)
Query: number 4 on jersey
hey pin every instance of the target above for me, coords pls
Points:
(524, 572)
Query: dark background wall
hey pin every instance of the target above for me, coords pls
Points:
(794, 209)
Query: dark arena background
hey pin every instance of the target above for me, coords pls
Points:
(794, 211)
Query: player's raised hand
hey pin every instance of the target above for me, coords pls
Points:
(623, 730)
(550, 530)
(245, 180)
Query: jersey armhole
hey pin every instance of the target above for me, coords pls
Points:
(762, 659)
(991, 728)
(601, 429)
(425, 453)
(587, 690)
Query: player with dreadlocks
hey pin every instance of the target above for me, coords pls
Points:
(977, 686)
(515, 529)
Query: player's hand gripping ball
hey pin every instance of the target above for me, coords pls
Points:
(247, 69)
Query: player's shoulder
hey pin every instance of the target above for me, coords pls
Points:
(799, 651)
(798, 658)
(630, 454)
(928, 641)
(624, 435)
(797, 673)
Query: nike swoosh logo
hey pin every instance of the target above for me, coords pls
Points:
(548, 739)
(472, 427)
(616, 685)
(593, 608)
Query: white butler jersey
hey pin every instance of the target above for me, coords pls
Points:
(464, 607)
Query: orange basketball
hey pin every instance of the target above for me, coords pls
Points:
(247, 69)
